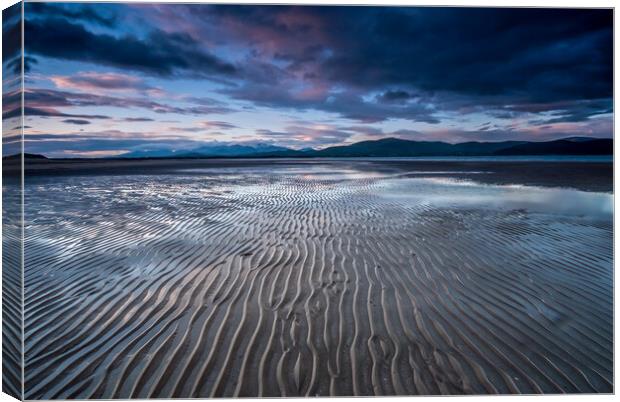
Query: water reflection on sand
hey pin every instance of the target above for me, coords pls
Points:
(452, 193)
(438, 188)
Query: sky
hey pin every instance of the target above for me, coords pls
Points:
(107, 79)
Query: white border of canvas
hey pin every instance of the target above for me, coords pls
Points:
(462, 3)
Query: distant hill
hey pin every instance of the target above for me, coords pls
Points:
(385, 147)
(396, 147)
(209, 150)
(388, 147)
(562, 147)
(393, 147)
(26, 156)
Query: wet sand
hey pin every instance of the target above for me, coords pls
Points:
(592, 176)
(11, 288)
(356, 278)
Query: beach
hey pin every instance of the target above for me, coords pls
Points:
(323, 277)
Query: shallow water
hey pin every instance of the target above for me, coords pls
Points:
(452, 193)
(314, 280)
(515, 158)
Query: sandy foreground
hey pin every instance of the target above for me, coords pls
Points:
(325, 278)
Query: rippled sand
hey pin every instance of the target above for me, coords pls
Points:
(314, 280)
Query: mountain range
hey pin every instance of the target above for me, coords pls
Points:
(393, 147)
(209, 150)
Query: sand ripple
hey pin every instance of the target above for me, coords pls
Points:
(11, 289)
(276, 285)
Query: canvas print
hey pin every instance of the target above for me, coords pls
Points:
(237, 200)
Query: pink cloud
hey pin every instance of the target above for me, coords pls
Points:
(96, 81)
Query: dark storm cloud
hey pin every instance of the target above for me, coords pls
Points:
(94, 14)
(16, 64)
(495, 58)
(541, 54)
(76, 121)
(11, 32)
(367, 64)
(48, 112)
(39, 98)
(137, 119)
(161, 53)
(577, 111)
(12, 40)
(547, 53)
(394, 96)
